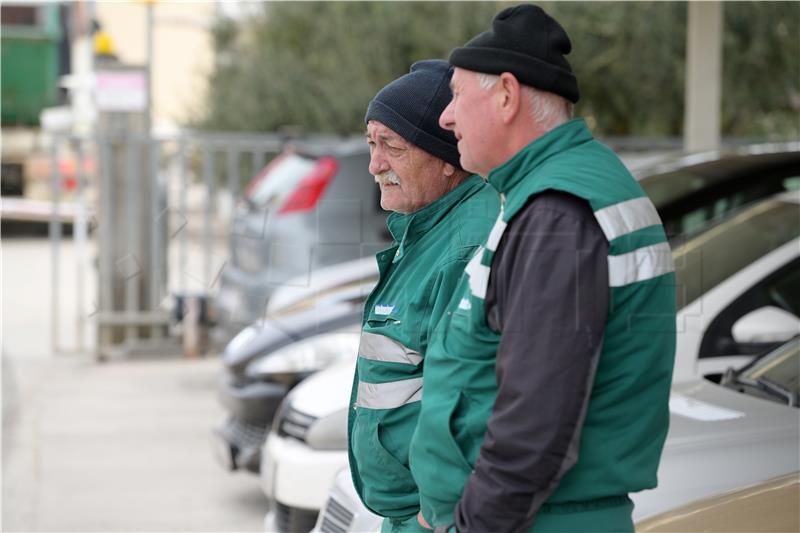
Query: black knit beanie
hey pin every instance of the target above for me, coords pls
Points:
(527, 42)
(410, 106)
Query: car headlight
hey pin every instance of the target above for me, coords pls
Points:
(308, 355)
(329, 432)
(242, 338)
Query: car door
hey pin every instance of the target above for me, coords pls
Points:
(779, 290)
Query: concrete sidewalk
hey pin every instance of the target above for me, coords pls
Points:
(122, 446)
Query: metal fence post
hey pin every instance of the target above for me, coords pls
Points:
(81, 235)
(106, 275)
(132, 233)
(183, 259)
(208, 169)
(54, 231)
(156, 219)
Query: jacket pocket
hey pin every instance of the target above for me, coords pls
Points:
(463, 440)
(388, 487)
(437, 463)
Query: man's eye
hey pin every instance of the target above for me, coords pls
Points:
(394, 149)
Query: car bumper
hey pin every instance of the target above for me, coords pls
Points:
(285, 519)
(296, 476)
(343, 511)
(237, 443)
(255, 403)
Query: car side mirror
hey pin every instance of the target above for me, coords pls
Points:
(767, 324)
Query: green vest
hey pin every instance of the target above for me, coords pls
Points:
(627, 417)
(418, 275)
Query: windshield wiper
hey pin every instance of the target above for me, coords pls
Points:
(733, 380)
(777, 390)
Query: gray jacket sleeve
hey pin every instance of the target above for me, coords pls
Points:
(548, 298)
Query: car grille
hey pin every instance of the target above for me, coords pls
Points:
(244, 435)
(336, 518)
(294, 520)
(293, 423)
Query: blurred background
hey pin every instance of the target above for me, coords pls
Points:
(189, 227)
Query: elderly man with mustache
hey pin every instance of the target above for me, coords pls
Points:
(548, 380)
(441, 214)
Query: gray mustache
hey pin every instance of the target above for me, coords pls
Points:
(387, 178)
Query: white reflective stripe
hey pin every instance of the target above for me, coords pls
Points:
(497, 232)
(389, 395)
(639, 265)
(381, 348)
(478, 275)
(626, 217)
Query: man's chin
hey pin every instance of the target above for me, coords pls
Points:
(469, 165)
(389, 200)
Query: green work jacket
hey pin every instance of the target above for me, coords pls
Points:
(418, 275)
(627, 415)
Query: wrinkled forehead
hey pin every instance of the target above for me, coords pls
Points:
(379, 131)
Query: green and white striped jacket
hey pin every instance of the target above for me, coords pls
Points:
(418, 275)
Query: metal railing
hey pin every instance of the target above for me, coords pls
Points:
(157, 210)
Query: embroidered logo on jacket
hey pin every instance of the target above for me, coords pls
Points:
(384, 309)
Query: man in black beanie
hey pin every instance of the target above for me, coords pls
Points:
(441, 215)
(547, 380)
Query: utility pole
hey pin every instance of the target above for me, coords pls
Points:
(701, 123)
(148, 118)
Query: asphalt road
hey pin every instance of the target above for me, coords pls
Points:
(120, 446)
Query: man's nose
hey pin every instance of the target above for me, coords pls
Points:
(446, 120)
(377, 163)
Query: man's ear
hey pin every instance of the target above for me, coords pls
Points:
(449, 170)
(508, 96)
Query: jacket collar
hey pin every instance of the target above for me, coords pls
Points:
(407, 228)
(507, 175)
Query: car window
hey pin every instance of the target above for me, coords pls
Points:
(689, 198)
(699, 217)
(779, 289)
(708, 258)
(792, 184)
(279, 178)
(667, 188)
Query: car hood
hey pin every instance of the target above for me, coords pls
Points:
(718, 440)
(703, 412)
(322, 280)
(264, 337)
(327, 391)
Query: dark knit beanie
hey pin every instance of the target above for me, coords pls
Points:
(527, 42)
(410, 106)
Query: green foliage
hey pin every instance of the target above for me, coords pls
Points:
(761, 70)
(314, 66)
(629, 59)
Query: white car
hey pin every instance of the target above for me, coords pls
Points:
(688, 192)
(725, 436)
(738, 287)
(720, 438)
(306, 448)
(740, 281)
